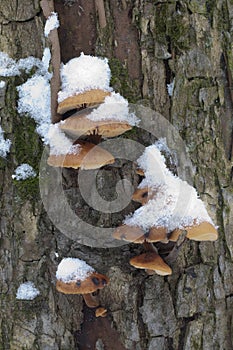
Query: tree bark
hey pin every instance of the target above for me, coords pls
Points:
(149, 44)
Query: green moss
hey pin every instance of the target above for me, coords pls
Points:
(121, 81)
(178, 32)
(28, 149)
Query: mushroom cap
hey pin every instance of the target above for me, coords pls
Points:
(204, 231)
(97, 157)
(90, 284)
(151, 261)
(90, 97)
(174, 235)
(79, 124)
(157, 234)
(101, 312)
(143, 195)
(128, 233)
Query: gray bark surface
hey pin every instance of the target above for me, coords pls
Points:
(148, 43)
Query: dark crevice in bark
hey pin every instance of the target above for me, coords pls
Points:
(183, 329)
(38, 14)
(143, 331)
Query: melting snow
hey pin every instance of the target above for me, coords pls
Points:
(114, 107)
(51, 23)
(4, 144)
(27, 291)
(84, 73)
(71, 269)
(23, 172)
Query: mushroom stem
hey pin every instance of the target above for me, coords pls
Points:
(91, 300)
(150, 247)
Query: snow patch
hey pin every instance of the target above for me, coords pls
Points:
(34, 100)
(23, 172)
(114, 107)
(59, 143)
(84, 73)
(170, 88)
(27, 291)
(4, 144)
(71, 269)
(51, 23)
(2, 84)
(10, 67)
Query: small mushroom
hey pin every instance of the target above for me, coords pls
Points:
(84, 99)
(75, 276)
(97, 157)
(80, 125)
(151, 261)
(101, 312)
(204, 231)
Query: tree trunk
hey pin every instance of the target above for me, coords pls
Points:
(149, 44)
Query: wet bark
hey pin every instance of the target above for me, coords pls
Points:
(149, 44)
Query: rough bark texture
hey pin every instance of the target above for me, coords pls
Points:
(148, 43)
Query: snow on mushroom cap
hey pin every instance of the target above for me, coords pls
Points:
(114, 107)
(176, 203)
(59, 143)
(84, 73)
(71, 269)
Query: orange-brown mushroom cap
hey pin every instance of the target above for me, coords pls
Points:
(157, 234)
(151, 261)
(97, 157)
(204, 231)
(88, 98)
(91, 283)
(79, 124)
(128, 233)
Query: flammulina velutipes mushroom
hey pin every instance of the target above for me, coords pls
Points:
(75, 276)
(170, 206)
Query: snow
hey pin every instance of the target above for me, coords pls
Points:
(34, 97)
(27, 291)
(84, 73)
(175, 204)
(4, 144)
(59, 143)
(2, 84)
(10, 67)
(170, 88)
(114, 107)
(71, 269)
(51, 23)
(23, 172)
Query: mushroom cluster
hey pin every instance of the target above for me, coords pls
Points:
(169, 206)
(90, 111)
